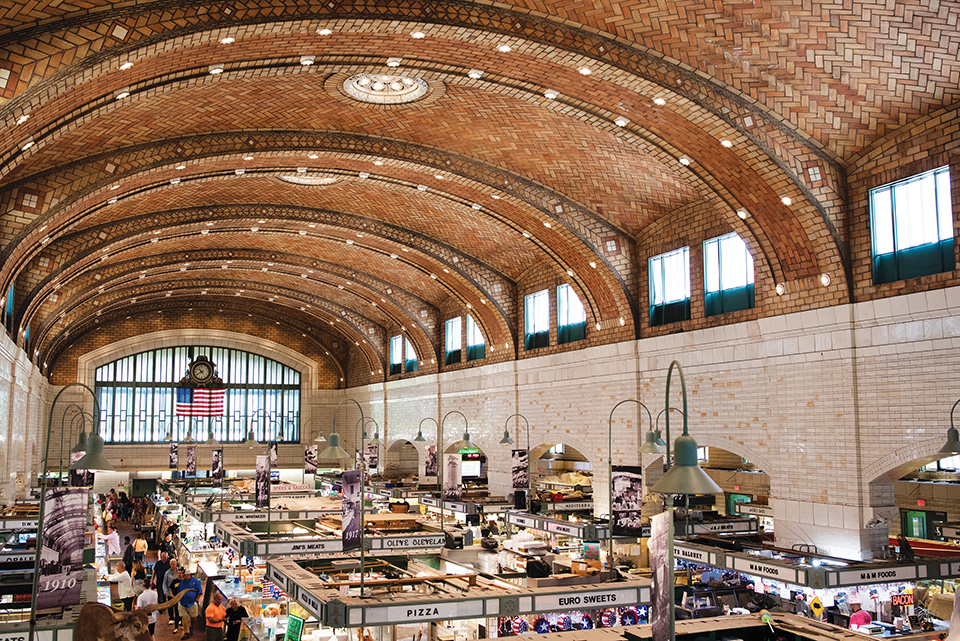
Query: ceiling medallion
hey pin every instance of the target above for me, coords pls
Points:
(384, 89)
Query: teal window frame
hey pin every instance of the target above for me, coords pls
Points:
(396, 355)
(476, 345)
(452, 341)
(571, 316)
(536, 320)
(912, 227)
(410, 362)
(669, 285)
(728, 275)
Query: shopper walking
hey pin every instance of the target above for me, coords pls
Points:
(215, 615)
(124, 585)
(171, 587)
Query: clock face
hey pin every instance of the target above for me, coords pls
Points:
(201, 371)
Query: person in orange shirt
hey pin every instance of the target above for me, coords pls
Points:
(215, 614)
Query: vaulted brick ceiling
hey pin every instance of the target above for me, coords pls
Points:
(134, 188)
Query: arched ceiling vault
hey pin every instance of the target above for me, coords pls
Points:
(549, 133)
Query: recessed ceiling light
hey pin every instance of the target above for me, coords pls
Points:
(547, 224)
(378, 163)
(570, 272)
(174, 181)
(742, 213)
(433, 276)
(550, 94)
(394, 256)
(255, 229)
(475, 73)
(364, 174)
(504, 49)
(417, 34)
(781, 289)
(684, 161)
(422, 187)
(438, 176)
(621, 121)
(476, 206)
(229, 40)
(659, 102)
(824, 279)
(526, 234)
(239, 172)
(123, 93)
(112, 200)
(112, 187)
(726, 143)
(204, 232)
(787, 200)
(248, 157)
(209, 224)
(303, 232)
(349, 241)
(324, 32)
(598, 327)
(306, 61)
(584, 71)
(261, 221)
(495, 196)
(215, 69)
(394, 62)
(593, 264)
(180, 167)
(126, 65)
(26, 144)
(22, 119)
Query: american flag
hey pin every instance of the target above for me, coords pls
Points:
(270, 590)
(200, 401)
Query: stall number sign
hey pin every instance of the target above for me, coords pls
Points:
(902, 600)
(590, 601)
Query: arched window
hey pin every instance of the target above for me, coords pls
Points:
(138, 395)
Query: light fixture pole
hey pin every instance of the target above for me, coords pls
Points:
(92, 460)
(335, 452)
(610, 474)
(441, 453)
(506, 440)
(952, 445)
(685, 477)
(63, 418)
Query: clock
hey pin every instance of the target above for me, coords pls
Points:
(201, 371)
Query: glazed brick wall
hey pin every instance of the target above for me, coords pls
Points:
(929, 143)
(693, 225)
(65, 369)
(544, 275)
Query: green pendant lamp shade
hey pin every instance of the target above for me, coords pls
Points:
(251, 442)
(462, 444)
(650, 444)
(953, 442)
(506, 440)
(81, 445)
(334, 452)
(419, 438)
(93, 460)
(686, 477)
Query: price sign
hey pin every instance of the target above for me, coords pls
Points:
(816, 606)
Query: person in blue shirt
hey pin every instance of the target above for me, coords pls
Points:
(189, 608)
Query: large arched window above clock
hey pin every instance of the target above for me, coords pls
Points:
(140, 401)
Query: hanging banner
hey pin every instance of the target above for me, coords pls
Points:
(373, 456)
(452, 485)
(627, 500)
(430, 462)
(216, 469)
(350, 515)
(521, 469)
(274, 454)
(174, 456)
(79, 478)
(310, 459)
(661, 538)
(191, 460)
(61, 554)
(263, 481)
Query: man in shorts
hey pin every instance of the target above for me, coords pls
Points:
(189, 608)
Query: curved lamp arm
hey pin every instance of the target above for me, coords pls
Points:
(63, 418)
(466, 424)
(953, 438)
(419, 438)
(610, 470)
